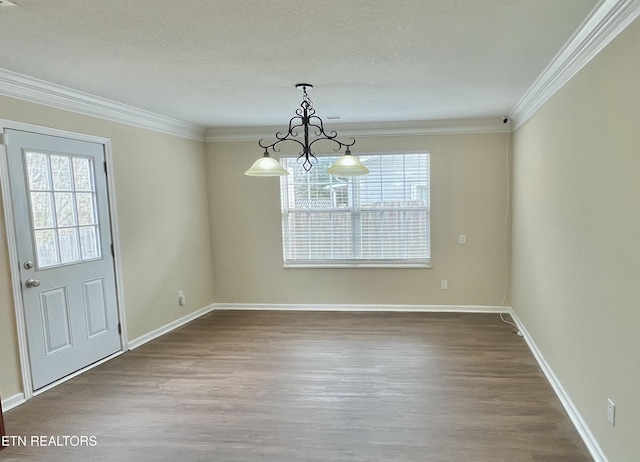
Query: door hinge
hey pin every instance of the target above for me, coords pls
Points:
(105, 166)
(112, 252)
(119, 329)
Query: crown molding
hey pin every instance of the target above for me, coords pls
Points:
(372, 129)
(38, 91)
(606, 21)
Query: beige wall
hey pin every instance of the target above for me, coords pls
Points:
(161, 194)
(576, 257)
(10, 377)
(469, 193)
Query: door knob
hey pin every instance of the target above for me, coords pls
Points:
(32, 283)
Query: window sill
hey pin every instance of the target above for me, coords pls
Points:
(357, 265)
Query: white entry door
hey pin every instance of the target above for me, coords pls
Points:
(61, 217)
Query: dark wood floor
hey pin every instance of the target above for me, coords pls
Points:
(310, 386)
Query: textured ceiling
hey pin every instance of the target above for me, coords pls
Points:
(234, 63)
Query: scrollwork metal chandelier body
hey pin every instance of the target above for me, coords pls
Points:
(310, 125)
(306, 120)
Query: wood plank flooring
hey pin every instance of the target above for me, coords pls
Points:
(310, 386)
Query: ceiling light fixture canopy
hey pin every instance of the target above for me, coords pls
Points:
(306, 120)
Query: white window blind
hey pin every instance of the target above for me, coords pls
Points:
(375, 220)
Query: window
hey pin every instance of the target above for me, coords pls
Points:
(380, 219)
(62, 197)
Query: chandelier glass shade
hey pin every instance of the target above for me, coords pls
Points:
(266, 166)
(311, 127)
(347, 165)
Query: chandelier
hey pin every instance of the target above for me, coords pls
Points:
(308, 124)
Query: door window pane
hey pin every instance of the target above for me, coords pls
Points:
(38, 171)
(69, 245)
(82, 174)
(61, 173)
(65, 215)
(86, 209)
(41, 210)
(89, 242)
(47, 247)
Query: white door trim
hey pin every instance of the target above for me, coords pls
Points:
(12, 241)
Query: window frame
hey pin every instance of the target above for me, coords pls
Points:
(356, 210)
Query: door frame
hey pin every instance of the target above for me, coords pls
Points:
(16, 282)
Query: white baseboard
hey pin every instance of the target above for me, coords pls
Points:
(135, 343)
(572, 411)
(13, 401)
(364, 307)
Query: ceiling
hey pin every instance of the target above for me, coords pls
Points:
(234, 63)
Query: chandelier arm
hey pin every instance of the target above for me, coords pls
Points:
(292, 127)
(320, 126)
(339, 144)
(273, 145)
(333, 134)
(290, 136)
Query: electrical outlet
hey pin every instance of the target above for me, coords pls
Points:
(611, 412)
(444, 284)
(462, 239)
(181, 298)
